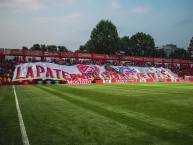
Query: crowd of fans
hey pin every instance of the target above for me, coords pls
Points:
(7, 66)
(6, 70)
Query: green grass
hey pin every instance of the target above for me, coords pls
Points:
(105, 114)
(9, 124)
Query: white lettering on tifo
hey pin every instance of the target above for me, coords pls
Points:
(21, 122)
(79, 82)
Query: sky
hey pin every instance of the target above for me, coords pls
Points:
(70, 22)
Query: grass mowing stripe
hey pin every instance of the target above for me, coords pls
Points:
(128, 94)
(139, 116)
(146, 103)
(21, 122)
(58, 121)
(162, 133)
(127, 110)
(182, 102)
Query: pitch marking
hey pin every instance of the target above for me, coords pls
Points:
(21, 122)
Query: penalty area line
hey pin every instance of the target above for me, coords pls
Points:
(21, 122)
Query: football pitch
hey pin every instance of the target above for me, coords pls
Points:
(99, 114)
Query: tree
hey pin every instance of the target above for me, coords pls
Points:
(35, 47)
(82, 48)
(125, 45)
(160, 53)
(88, 47)
(43, 47)
(51, 48)
(142, 45)
(103, 39)
(179, 53)
(24, 48)
(63, 49)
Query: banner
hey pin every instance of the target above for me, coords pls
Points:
(68, 55)
(158, 60)
(142, 73)
(138, 59)
(99, 56)
(112, 57)
(185, 61)
(176, 61)
(46, 70)
(128, 58)
(14, 52)
(148, 59)
(83, 72)
(85, 55)
(51, 54)
(36, 53)
(167, 60)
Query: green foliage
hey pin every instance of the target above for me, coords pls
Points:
(63, 49)
(103, 39)
(180, 53)
(82, 48)
(24, 48)
(43, 47)
(125, 45)
(51, 47)
(35, 47)
(142, 45)
(160, 53)
(88, 47)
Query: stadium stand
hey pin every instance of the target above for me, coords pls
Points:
(183, 68)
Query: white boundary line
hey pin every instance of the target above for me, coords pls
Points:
(21, 122)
